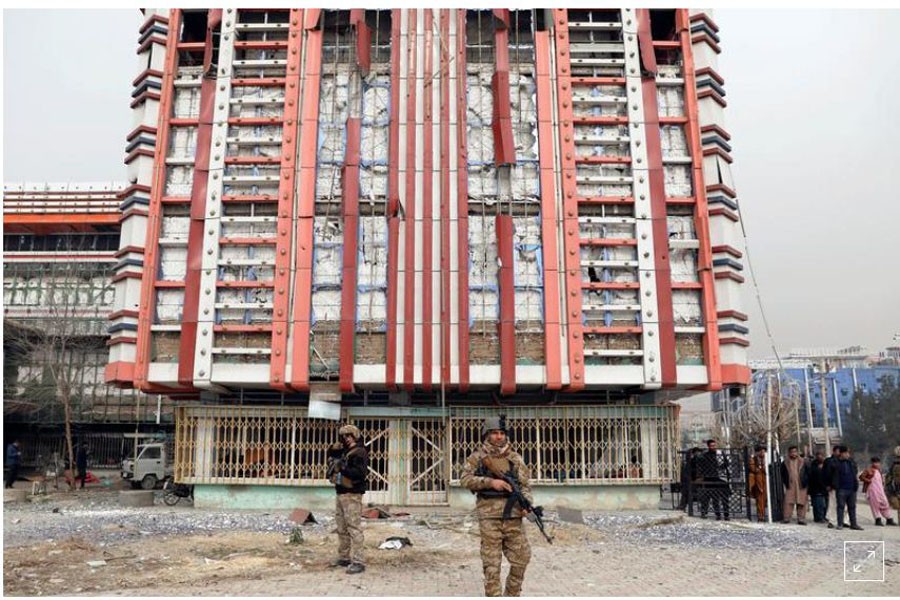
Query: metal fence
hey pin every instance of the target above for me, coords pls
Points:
(414, 459)
(714, 484)
(105, 449)
(580, 444)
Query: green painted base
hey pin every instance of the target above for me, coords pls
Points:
(582, 497)
(270, 497)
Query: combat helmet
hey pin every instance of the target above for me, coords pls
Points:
(493, 423)
(349, 430)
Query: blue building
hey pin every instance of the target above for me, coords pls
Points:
(840, 386)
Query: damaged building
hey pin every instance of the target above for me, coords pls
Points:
(412, 219)
(60, 254)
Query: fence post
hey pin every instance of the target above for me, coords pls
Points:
(690, 486)
(747, 481)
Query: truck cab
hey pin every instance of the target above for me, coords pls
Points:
(148, 468)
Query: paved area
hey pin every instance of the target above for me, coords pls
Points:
(171, 551)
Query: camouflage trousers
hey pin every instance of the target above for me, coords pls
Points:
(503, 537)
(347, 517)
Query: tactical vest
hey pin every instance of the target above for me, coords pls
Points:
(334, 472)
(492, 466)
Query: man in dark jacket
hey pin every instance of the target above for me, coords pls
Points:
(712, 469)
(348, 472)
(831, 505)
(687, 470)
(845, 483)
(81, 462)
(818, 487)
(13, 460)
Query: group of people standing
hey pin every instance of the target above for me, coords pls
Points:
(13, 464)
(830, 485)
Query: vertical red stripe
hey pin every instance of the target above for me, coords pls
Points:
(445, 196)
(311, 18)
(462, 200)
(363, 40)
(199, 187)
(350, 187)
(504, 229)
(552, 351)
(302, 299)
(659, 221)
(701, 209)
(410, 208)
(428, 202)
(393, 204)
(283, 248)
(570, 203)
(158, 189)
(504, 145)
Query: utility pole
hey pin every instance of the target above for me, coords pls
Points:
(768, 445)
(809, 417)
(824, 403)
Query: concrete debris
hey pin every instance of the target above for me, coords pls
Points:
(570, 515)
(395, 543)
(375, 513)
(302, 516)
(96, 563)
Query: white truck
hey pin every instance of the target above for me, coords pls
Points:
(148, 468)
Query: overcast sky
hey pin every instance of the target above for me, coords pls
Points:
(812, 109)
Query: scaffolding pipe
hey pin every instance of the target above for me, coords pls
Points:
(837, 406)
(809, 417)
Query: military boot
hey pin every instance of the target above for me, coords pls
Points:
(355, 568)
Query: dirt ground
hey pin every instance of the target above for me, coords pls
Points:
(210, 563)
(176, 551)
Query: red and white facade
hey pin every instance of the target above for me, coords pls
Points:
(429, 199)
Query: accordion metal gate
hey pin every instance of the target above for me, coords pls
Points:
(414, 459)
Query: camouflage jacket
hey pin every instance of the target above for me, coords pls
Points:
(477, 478)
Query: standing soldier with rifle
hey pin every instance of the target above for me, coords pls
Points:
(347, 470)
(499, 477)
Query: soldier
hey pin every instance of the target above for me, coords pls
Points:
(500, 533)
(348, 471)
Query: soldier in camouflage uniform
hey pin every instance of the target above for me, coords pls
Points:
(348, 471)
(499, 534)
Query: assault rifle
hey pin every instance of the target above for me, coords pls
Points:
(532, 513)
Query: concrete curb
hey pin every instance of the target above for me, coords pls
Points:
(136, 498)
(15, 495)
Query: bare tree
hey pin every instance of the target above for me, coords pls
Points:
(50, 336)
(771, 408)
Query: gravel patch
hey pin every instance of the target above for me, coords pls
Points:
(674, 529)
(102, 520)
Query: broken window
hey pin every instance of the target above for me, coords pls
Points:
(662, 24)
